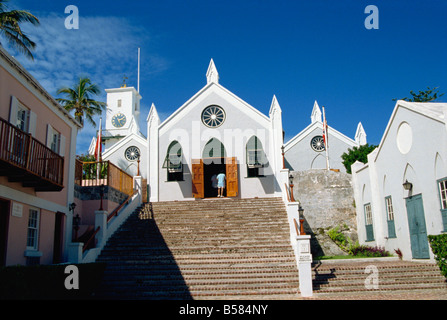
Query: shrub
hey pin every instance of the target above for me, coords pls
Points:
(367, 251)
(345, 243)
(355, 249)
(438, 245)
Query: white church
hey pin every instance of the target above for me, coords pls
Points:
(214, 131)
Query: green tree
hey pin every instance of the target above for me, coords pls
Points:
(356, 154)
(10, 28)
(423, 96)
(79, 99)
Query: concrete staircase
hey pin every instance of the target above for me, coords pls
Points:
(207, 249)
(341, 278)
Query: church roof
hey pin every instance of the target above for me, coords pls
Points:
(214, 86)
(436, 111)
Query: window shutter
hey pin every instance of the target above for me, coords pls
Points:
(49, 136)
(13, 111)
(32, 123)
(62, 146)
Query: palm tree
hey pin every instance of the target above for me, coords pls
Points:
(79, 99)
(10, 28)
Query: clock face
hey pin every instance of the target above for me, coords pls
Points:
(119, 120)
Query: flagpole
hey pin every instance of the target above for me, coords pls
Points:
(100, 139)
(326, 136)
(98, 153)
(138, 83)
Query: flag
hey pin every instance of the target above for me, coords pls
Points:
(98, 146)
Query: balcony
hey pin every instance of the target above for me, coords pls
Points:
(26, 160)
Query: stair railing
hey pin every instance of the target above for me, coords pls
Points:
(92, 237)
(121, 206)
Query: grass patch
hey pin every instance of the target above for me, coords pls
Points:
(48, 282)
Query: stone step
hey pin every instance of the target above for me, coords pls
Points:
(391, 275)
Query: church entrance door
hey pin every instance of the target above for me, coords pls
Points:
(204, 172)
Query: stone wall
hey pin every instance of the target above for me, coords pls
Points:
(327, 198)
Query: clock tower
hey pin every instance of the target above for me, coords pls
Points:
(123, 114)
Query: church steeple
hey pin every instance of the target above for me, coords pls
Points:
(316, 113)
(212, 75)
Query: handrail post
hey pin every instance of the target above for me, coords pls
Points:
(101, 222)
(304, 261)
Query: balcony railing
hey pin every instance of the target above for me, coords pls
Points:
(26, 160)
(88, 174)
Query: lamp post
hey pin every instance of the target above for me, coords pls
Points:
(101, 194)
(138, 161)
(301, 216)
(407, 185)
(76, 220)
(291, 188)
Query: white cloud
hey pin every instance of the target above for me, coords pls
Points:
(103, 48)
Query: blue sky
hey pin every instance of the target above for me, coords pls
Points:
(300, 51)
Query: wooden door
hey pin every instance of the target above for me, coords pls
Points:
(232, 178)
(418, 230)
(198, 190)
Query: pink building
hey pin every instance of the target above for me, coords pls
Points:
(37, 163)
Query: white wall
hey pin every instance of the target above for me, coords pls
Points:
(416, 151)
(300, 156)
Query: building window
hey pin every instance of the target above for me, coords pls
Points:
(213, 116)
(119, 103)
(22, 118)
(173, 162)
(390, 217)
(442, 186)
(132, 153)
(56, 142)
(255, 157)
(33, 229)
(317, 143)
(369, 222)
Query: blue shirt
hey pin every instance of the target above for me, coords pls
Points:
(220, 180)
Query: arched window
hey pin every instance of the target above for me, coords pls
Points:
(173, 162)
(256, 158)
(214, 152)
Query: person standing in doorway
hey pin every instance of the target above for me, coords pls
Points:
(214, 184)
(220, 184)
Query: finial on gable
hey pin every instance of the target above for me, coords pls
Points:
(274, 106)
(360, 135)
(316, 113)
(212, 75)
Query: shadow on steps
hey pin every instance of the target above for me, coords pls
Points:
(139, 265)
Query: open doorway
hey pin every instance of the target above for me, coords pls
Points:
(211, 168)
(4, 222)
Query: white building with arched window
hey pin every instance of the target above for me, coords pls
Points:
(214, 131)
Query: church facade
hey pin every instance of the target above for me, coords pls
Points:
(214, 131)
(307, 151)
